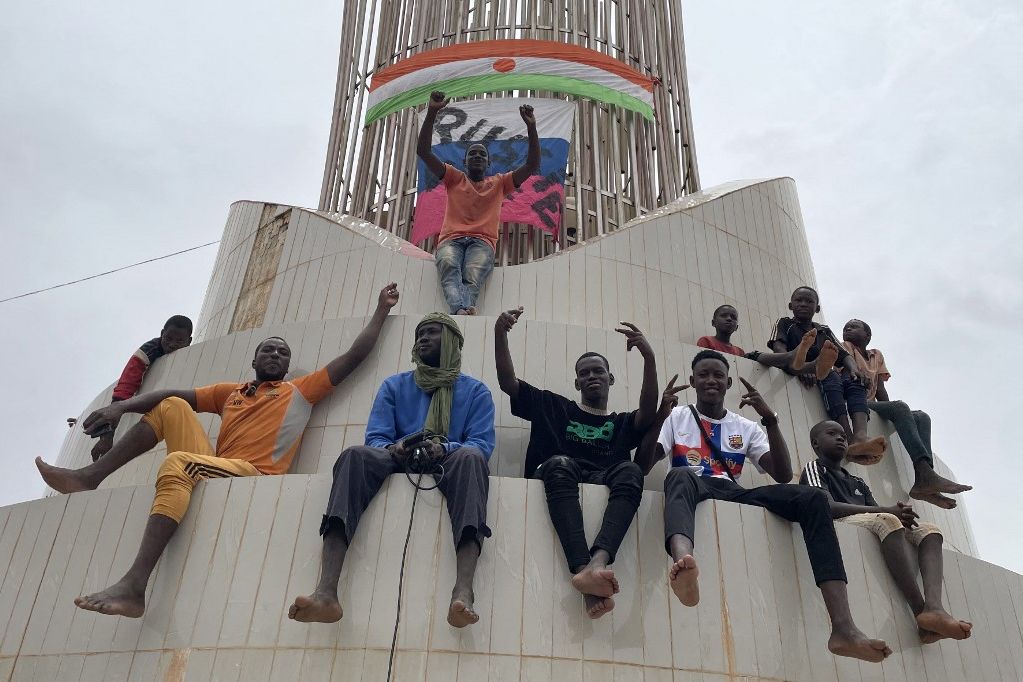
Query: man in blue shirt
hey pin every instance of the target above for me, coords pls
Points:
(459, 411)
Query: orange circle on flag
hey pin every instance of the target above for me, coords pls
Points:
(504, 65)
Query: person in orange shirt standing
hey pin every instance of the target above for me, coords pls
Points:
(472, 218)
(261, 428)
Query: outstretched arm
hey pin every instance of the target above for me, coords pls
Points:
(343, 365)
(424, 149)
(776, 461)
(532, 164)
(505, 368)
(648, 392)
(107, 417)
(650, 451)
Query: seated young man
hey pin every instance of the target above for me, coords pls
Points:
(459, 409)
(810, 351)
(176, 333)
(472, 218)
(897, 528)
(572, 443)
(725, 322)
(261, 428)
(913, 426)
(708, 446)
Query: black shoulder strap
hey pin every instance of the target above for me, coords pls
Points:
(710, 444)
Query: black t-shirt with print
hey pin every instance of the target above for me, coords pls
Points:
(790, 332)
(560, 427)
(839, 483)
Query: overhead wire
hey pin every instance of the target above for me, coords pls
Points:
(108, 272)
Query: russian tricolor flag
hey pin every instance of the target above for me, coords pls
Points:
(497, 124)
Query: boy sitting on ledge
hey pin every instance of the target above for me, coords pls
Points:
(896, 527)
(809, 350)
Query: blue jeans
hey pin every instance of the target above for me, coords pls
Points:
(463, 265)
(842, 395)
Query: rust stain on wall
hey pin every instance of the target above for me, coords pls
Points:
(176, 669)
(261, 270)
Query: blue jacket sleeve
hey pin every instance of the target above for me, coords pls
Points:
(479, 424)
(381, 429)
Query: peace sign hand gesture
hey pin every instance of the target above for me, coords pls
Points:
(753, 398)
(669, 399)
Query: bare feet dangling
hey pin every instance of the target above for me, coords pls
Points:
(937, 499)
(316, 608)
(826, 360)
(600, 582)
(854, 644)
(805, 344)
(944, 624)
(460, 612)
(928, 482)
(63, 480)
(119, 599)
(598, 606)
(867, 452)
(684, 578)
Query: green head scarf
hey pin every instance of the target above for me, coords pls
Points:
(439, 381)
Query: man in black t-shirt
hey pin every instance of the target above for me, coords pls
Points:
(572, 443)
(896, 527)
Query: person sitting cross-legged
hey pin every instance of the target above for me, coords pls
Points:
(897, 528)
(708, 446)
(261, 428)
(913, 426)
(572, 443)
(472, 217)
(459, 410)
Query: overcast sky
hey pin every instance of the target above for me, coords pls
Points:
(127, 129)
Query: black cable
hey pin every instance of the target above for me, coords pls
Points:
(401, 574)
(436, 470)
(108, 272)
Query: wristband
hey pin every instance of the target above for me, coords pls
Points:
(770, 420)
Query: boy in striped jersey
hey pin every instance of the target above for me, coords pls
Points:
(897, 527)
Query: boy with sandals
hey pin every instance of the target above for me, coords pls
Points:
(708, 446)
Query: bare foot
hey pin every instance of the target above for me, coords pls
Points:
(460, 613)
(471, 310)
(117, 600)
(63, 480)
(461, 311)
(826, 360)
(937, 499)
(928, 637)
(598, 606)
(316, 608)
(683, 576)
(867, 452)
(928, 482)
(944, 624)
(855, 644)
(805, 344)
(600, 582)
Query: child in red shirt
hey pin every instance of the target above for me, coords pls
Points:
(725, 321)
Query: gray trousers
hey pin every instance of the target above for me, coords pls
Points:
(913, 427)
(360, 471)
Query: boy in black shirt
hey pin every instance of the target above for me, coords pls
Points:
(897, 528)
(572, 443)
(811, 352)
